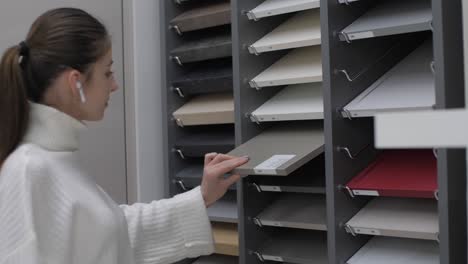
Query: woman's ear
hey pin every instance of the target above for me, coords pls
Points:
(76, 86)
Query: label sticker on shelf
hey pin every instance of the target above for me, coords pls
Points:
(272, 223)
(365, 193)
(361, 35)
(270, 188)
(273, 258)
(367, 231)
(270, 165)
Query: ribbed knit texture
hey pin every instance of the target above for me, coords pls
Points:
(51, 212)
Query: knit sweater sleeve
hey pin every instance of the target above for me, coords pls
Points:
(169, 230)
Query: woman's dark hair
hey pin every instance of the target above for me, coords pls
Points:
(58, 40)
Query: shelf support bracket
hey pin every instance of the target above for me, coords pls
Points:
(177, 59)
(349, 153)
(177, 29)
(259, 256)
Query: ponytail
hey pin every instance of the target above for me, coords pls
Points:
(14, 106)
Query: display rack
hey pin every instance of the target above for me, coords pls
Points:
(299, 97)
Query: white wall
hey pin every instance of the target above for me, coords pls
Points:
(146, 179)
(103, 145)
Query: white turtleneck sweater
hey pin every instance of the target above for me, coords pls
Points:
(51, 212)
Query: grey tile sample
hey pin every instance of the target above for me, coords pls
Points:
(278, 7)
(294, 102)
(206, 16)
(390, 250)
(292, 145)
(224, 210)
(302, 30)
(390, 18)
(303, 65)
(409, 85)
(293, 210)
(397, 217)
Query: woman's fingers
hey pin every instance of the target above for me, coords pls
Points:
(220, 158)
(209, 157)
(229, 165)
(214, 185)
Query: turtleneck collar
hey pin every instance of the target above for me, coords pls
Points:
(52, 129)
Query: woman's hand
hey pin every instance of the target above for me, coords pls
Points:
(214, 184)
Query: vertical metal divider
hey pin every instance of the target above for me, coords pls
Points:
(164, 94)
(357, 134)
(449, 74)
(465, 55)
(246, 66)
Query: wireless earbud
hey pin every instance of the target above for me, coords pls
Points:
(79, 86)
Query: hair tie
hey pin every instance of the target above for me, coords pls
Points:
(23, 51)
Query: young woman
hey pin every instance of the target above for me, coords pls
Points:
(50, 211)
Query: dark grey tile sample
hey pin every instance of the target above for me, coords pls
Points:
(294, 210)
(296, 246)
(211, 77)
(225, 210)
(201, 143)
(301, 141)
(217, 259)
(208, 15)
(204, 48)
(309, 178)
(191, 176)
